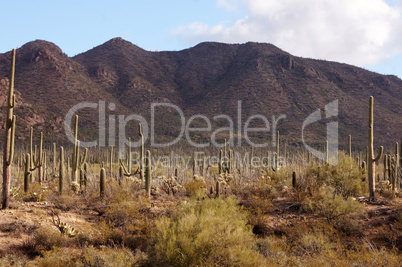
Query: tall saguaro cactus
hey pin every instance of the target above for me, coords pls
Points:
(371, 159)
(9, 137)
(27, 172)
(61, 170)
(37, 161)
(148, 173)
(76, 162)
(276, 154)
(102, 182)
(141, 152)
(123, 171)
(395, 180)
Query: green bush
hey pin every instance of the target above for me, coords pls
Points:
(208, 232)
(88, 257)
(331, 205)
(346, 177)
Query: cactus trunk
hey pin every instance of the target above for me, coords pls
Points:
(148, 173)
(371, 159)
(76, 162)
(61, 170)
(395, 180)
(102, 182)
(27, 172)
(141, 153)
(8, 152)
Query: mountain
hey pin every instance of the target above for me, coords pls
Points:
(208, 79)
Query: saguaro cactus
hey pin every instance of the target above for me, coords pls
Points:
(39, 162)
(194, 164)
(294, 180)
(8, 152)
(371, 159)
(230, 162)
(27, 172)
(127, 171)
(148, 173)
(395, 180)
(111, 162)
(385, 167)
(76, 162)
(141, 152)
(61, 170)
(54, 159)
(276, 154)
(102, 182)
(220, 163)
(121, 174)
(84, 181)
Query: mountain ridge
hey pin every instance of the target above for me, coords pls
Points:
(209, 79)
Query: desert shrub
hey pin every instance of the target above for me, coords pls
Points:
(330, 205)
(345, 177)
(89, 256)
(208, 232)
(35, 194)
(45, 239)
(17, 259)
(357, 257)
(65, 202)
(315, 243)
(309, 180)
(256, 198)
(128, 190)
(196, 188)
(127, 223)
(281, 176)
(263, 187)
(384, 189)
(277, 251)
(349, 226)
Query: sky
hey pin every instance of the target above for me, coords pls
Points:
(364, 33)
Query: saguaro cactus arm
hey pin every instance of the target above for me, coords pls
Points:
(128, 172)
(379, 155)
(12, 141)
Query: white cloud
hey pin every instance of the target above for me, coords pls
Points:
(359, 32)
(226, 5)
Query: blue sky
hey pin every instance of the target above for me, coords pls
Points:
(366, 33)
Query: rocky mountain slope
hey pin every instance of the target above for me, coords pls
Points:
(209, 79)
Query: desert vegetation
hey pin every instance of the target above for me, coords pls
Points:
(97, 207)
